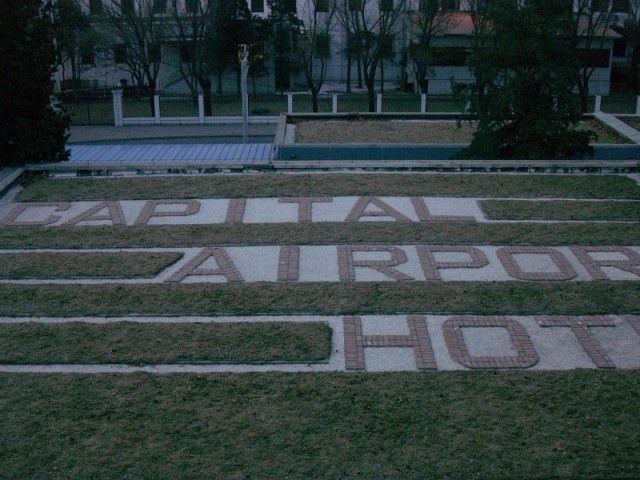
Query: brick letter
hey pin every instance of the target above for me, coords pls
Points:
(506, 256)
(580, 328)
(594, 267)
(452, 331)
(346, 263)
(431, 267)
(355, 343)
(113, 213)
(235, 210)
(12, 217)
(289, 264)
(305, 206)
(191, 207)
(226, 268)
(359, 210)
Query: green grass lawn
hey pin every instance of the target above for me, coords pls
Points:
(473, 425)
(153, 343)
(318, 234)
(276, 185)
(482, 298)
(559, 210)
(84, 265)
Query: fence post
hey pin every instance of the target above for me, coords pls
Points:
(379, 103)
(117, 107)
(638, 105)
(598, 108)
(289, 102)
(334, 107)
(200, 108)
(156, 108)
(423, 103)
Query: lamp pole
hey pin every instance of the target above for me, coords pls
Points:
(243, 58)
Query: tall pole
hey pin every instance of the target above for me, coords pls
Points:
(243, 57)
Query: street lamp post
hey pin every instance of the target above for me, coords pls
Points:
(243, 58)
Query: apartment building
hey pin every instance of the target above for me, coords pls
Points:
(449, 62)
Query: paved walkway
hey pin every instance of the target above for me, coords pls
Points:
(395, 343)
(105, 133)
(253, 153)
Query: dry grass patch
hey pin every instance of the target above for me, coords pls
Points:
(413, 131)
(366, 233)
(19, 266)
(482, 298)
(559, 210)
(154, 343)
(281, 185)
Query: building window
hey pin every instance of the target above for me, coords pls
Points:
(323, 45)
(88, 56)
(322, 6)
(619, 48)
(386, 49)
(386, 5)
(155, 53)
(449, 5)
(160, 6)
(95, 7)
(192, 6)
(126, 7)
(450, 57)
(186, 53)
(257, 6)
(620, 6)
(120, 53)
(596, 58)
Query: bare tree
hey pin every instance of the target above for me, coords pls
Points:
(314, 44)
(630, 31)
(591, 32)
(194, 28)
(73, 34)
(430, 20)
(142, 26)
(372, 24)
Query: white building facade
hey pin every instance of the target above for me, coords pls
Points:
(107, 71)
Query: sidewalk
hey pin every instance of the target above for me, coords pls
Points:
(84, 134)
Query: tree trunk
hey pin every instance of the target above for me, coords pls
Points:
(219, 83)
(205, 84)
(349, 62)
(151, 94)
(371, 93)
(314, 100)
(359, 65)
(382, 76)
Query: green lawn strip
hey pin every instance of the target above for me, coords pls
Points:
(471, 425)
(318, 234)
(277, 185)
(17, 266)
(152, 343)
(321, 298)
(560, 210)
